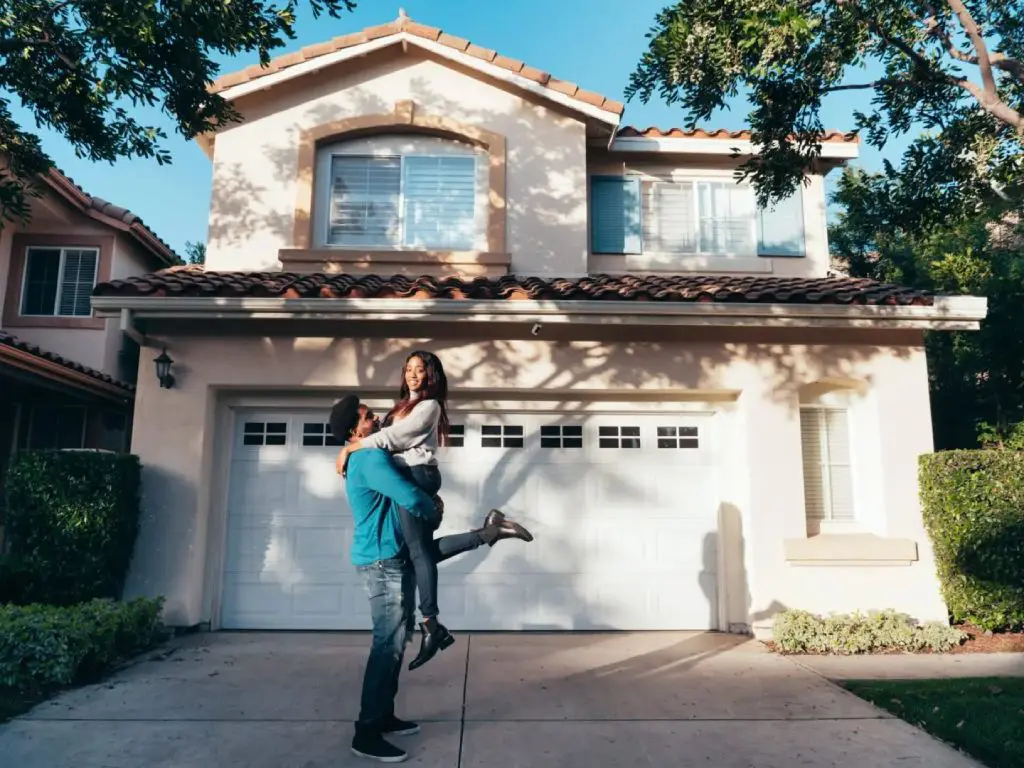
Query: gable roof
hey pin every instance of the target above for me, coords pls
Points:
(405, 29)
(112, 215)
(30, 357)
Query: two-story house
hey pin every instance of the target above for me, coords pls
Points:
(66, 376)
(699, 425)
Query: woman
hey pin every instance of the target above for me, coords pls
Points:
(413, 431)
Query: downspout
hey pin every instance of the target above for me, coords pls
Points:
(128, 328)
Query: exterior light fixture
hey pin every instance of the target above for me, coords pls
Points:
(163, 370)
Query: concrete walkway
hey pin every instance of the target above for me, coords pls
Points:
(491, 701)
(915, 666)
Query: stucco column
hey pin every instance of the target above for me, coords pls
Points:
(171, 441)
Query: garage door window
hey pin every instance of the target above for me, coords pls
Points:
(316, 435)
(501, 436)
(456, 435)
(567, 436)
(265, 433)
(677, 437)
(618, 437)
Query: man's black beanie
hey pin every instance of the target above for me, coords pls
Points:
(344, 417)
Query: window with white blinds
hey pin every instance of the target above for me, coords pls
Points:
(59, 282)
(715, 218)
(414, 201)
(828, 479)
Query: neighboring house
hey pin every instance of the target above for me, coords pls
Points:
(699, 425)
(66, 376)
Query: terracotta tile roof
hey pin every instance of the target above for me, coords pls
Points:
(629, 132)
(7, 340)
(432, 34)
(109, 213)
(687, 288)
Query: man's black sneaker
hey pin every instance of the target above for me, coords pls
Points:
(375, 747)
(399, 727)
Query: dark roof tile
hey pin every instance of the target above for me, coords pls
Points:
(8, 340)
(679, 288)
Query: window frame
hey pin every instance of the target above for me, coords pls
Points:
(30, 427)
(648, 215)
(828, 522)
(63, 249)
(653, 215)
(325, 163)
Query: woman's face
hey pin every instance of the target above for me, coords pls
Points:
(415, 374)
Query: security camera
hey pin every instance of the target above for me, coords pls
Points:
(535, 331)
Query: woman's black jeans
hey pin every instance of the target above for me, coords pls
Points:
(424, 550)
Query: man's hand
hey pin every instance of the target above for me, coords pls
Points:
(341, 461)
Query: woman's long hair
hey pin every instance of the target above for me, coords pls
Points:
(435, 387)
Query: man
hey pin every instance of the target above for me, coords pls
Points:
(375, 490)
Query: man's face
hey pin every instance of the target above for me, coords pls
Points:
(368, 423)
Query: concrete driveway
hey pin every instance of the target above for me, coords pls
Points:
(491, 701)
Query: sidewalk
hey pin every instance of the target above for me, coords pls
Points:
(916, 666)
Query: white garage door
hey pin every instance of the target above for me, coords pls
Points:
(623, 508)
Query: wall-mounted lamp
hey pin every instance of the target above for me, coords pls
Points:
(163, 370)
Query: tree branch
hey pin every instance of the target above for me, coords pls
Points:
(884, 82)
(973, 32)
(1008, 64)
(935, 28)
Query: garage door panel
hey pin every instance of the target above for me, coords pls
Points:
(625, 536)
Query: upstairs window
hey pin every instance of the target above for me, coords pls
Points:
(59, 282)
(698, 217)
(393, 193)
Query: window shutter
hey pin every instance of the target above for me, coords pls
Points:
(828, 480)
(780, 229)
(365, 193)
(615, 220)
(42, 276)
(77, 282)
(671, 226)
(440, 202)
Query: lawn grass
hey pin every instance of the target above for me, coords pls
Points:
(983, 716)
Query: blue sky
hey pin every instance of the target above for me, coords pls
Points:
(595, 43)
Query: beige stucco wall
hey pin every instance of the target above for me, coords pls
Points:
(97, 348)
(255, 163)
(757, 386)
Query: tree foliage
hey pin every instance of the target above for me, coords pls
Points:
(195, 253)
(952, 66)
(976, 377)
(80, 66)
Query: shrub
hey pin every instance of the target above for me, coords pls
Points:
(803, 632)
(72, 518)
(44, 646)
(973, 507)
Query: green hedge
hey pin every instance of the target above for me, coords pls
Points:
(43, 647)
(973, 506)
(71, 520)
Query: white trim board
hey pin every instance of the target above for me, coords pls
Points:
(946, 313)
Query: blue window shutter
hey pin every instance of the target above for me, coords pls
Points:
(780, 229)
(615, 225)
